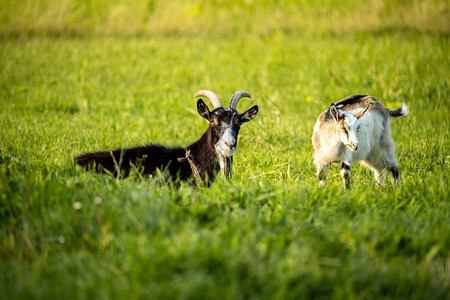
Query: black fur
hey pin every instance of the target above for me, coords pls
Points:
(351, 100)
(394, 171)
(397, 112)
(345, 174)
(149, 158)
(345, 166)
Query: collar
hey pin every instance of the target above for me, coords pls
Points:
(190, 159)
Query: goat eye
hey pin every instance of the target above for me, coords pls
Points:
(214, 121)
(345, 131)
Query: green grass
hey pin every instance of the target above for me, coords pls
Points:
(218, 17)
(269, 232)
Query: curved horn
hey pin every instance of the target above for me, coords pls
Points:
(215, 100)
(236, 97)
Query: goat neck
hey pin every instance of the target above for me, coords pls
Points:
(205, 156)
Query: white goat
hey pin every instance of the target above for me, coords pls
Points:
(353, 129)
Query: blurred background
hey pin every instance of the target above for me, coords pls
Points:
(218, 17)
(80, 75)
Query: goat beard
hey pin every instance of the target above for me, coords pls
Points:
(228, 166)
(226, 163)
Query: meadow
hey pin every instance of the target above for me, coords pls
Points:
(76, 77)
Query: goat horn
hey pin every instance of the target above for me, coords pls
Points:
(215, 100)
(236, 97)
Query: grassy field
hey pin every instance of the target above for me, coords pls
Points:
(127, 75)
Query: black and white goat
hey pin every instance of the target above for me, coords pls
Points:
(203, 159)
(356, 129)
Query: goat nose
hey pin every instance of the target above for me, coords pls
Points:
(229, 143)
(355, 146)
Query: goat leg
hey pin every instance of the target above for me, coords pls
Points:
(345, 174)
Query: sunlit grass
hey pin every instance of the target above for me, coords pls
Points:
(270, 231)
(204, 18)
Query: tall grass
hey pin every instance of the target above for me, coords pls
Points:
(269, 232)
(199, 17)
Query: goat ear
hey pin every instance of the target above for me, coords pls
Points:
(249, 114)
(334, 112)
(203, 110)
(361, 113)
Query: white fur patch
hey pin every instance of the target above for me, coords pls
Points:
(405, 109)
(222, 163)
(351, 138)
(350, 112)
(223, 145)
(317, 126)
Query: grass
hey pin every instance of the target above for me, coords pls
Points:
(206, 18)
(269, 232)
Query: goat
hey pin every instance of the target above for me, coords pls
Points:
(356, 129)
(203, 159)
